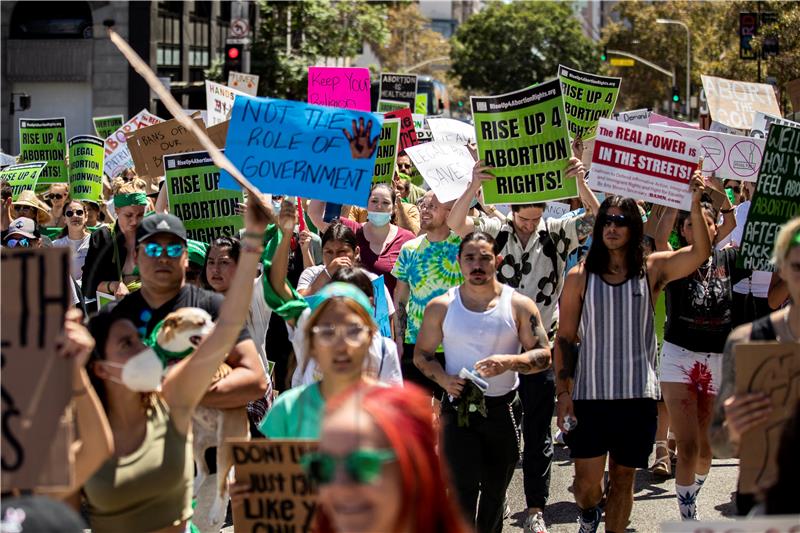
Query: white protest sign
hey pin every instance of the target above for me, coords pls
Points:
(643, 163)
(421, 126)
(247, 83)
(448, 130)
(445, 167)
(555, 210)
(219, 102)
(763, 121)
(637, 117)
(722, 128)
(117, 155)
(729, 157)
(734, 103)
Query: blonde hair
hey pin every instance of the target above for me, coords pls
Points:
(352, 306)
(120, 186)
(783, 242)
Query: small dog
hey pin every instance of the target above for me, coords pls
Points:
(181, 330)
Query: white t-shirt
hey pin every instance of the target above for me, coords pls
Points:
(80, 248)
(310, 275)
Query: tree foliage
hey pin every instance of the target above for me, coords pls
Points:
(508, 46)
(411, 41)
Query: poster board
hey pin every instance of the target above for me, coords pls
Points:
(149, 145)
(105, 126)
(445, 167)
(763, 121)
(217, 133)
(421, 103)
(773, 369)
(219, 101)
(44, 139)
(524, 136)
(247, 83)
(399, 88)
(86, 168)
(36, 383)
(408, 134)
(343, 87)
(587, 99)
(387, 106)
(448, 130)
(386, 156)
(637, 117)
(734, 103)
(655, 118)
(117, 155)
(281, 497)
(22, 177)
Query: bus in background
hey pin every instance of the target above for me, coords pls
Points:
(438, 102)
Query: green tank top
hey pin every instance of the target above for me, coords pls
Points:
(149, 489)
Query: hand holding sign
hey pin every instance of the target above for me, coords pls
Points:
(360, 145)
(480, 173)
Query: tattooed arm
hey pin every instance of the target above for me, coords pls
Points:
(570, 305)
(428, 341)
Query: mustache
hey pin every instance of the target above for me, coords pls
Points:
(478, 271)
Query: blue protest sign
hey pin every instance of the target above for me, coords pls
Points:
(381, 307)
(300, 149)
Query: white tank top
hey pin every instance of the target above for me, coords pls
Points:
(470, 336)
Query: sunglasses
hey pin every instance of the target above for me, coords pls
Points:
(156, 250)
(76, 213)
(20, 208)
(620, 221)
(353, 334)
(56, 196)
(403, 165)
(18, 243)
(362, 466)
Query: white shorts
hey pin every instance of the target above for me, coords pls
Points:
(679, 365)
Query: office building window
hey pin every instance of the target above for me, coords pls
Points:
(168, 47)
(200, 47)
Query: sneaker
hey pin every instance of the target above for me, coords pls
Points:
(535, 524)
(590, 526)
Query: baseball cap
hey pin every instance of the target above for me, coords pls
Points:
(23, 226)
(160, 223)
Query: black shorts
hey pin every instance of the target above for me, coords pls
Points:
(414, 375)
(625, 429)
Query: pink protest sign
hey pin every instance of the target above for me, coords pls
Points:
(655, 118)
(339, 87)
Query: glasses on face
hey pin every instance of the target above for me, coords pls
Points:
(620, 221)
(23, 209)
(361, 466)
(156, 250)
(427, 207)
(18, 243)
(404, 166)
(353, 334)
(76, 213)
(56, 196)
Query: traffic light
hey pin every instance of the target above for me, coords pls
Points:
(604, 55)
(460, 103)
(676, 96)
(233, 58)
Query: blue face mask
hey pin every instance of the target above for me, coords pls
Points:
(378, 218)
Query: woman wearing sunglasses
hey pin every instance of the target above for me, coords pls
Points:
(57, 196)
(75, 236)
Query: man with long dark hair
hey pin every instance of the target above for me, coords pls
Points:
(608, 383)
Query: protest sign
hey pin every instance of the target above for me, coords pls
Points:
(655, 118)
(424, 134)
(763, 121)
(726, 156)
(86, 168)
(53, 476)
(421, 103)
(381, 307)
(587, 99)
(555, 210)
(103, 299)
(149, 145)
(300, 149)
(281, 496)
(117, 155)
(773, 369)
(218, 133)
(194, 196)
(387, 151)
(219, 101)
(44, 139)
(105, 126)
(776, 200)
(759, 524)
(399, 88)
(734, 103)
(247, 83)
(644, 164)
(408, 134)
(448, 130)
(347, 88)
(22, 177)
(387, 106)
(36, 382)
(637, 117)
(445, 167)
(524, 136)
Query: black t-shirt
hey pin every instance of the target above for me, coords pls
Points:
(699, 306)
(136, 309)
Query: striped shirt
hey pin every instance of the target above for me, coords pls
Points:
(617, 356)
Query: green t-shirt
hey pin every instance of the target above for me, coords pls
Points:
(296, 414)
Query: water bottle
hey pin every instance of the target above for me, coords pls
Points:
(570, 423)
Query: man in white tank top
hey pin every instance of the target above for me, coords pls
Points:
(483, 326)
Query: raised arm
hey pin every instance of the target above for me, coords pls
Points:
(664, 229)
(728, 217)
(569, 316)
(587, 197)
(428, 341)
(459, 219)
(280, 259)
(316, 212)
(162, 201)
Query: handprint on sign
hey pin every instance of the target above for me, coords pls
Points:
(360, 145)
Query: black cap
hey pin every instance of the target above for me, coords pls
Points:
(160, 223)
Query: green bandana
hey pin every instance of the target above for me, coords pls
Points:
(338, 289)
(134, 198)
(166, 356)
(197, 251)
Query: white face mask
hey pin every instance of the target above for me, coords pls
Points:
(378, 218)
(140, 373)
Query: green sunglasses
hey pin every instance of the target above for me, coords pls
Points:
(362, 466)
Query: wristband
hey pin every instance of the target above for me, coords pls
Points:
(560, 393)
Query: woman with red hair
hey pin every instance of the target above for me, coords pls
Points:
(377, 468)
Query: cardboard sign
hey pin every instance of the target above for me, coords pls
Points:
(22, 177)
(194, 196)
(642, 163)
(399, 88)
(761, 524)
(445, 167)
(149, 145)
(726, 156)
(219, 101)
(44, 139)
(299, 149)
(381, 312)
(734, 103)
(773, 369)
(347, 88)
(37, 384)
(637, 117)
(218, 133)
(117, 155)
(408, 134)
(587, 99)
(387, 106)
(105, 126)
(421, 103)
(247, 83)
(281, 496)
(776, 200)
(763, 121)
(524, 136)
(448, 130)
(86, 168)
(386, 156)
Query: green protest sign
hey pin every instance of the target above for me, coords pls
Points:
(587, 99)
(523, 135)
(776, 200)
(22, 177)
(86, 168)
(387, 151)
(387, 106)
(44, 139)
(194, 196)
(421, 104)
(105, 126)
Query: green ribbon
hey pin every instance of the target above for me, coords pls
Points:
(166, 356)
(134, 198)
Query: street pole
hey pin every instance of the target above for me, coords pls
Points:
(688, 62)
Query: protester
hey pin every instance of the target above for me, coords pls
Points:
(28, 205)
(736, 414)
(95, 218)
(22, 233)
(75, 236)
(610, 297)
(57, 196)
(482, 325)
(406, 191)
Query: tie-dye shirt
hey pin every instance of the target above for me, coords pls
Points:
(430, 269)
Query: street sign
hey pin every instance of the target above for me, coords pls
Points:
(769, 45)
(239, 28)
(622, 62)
(748, 27)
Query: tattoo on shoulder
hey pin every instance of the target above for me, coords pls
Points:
(585, 225)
